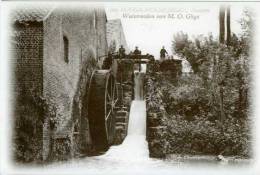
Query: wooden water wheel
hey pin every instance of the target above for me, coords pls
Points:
(103, 97)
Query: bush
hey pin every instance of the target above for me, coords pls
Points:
(193, 125)
(202, 136)
(30, 111)
(207, 111)
(187, 97)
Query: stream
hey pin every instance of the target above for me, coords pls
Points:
(132, 156)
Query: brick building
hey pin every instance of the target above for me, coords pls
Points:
(55, 51)
(115, 35)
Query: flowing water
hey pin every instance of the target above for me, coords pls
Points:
(139, 84)
(133, 153)
(134, 147)
(132, 156)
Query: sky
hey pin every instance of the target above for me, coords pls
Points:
(150, 33)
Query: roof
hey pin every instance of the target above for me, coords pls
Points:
(32, 14)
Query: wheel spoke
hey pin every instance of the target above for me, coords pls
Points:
(109, 114)
(113, 91)
(111, 87)
(111, 100)
(109, 97)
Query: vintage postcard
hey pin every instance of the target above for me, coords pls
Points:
(129, 87)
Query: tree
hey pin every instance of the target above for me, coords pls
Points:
(222, 24)
(180, 41)
(228, 26)
(242, 71)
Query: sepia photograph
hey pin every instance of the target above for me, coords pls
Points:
(129, 87)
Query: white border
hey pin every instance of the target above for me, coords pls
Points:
(5, 115)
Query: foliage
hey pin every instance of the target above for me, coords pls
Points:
(187, 97)
(30, 112)
(208, 111)
(61, 149)
(223, 69)
(202, 136)
(154, 96)
(156, 119)
(192, 125)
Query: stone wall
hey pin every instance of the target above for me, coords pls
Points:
(156, 113)
(125, 90)
(156, 120)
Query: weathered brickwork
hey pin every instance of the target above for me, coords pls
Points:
(28, 50)
(42, 39)
(65, 83)
(27, 62)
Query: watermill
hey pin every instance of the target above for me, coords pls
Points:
(103, 102)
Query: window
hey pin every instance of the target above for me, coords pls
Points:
(66, 49)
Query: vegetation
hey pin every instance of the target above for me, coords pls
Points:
(208, 111)
(193, 123)
(28, 129)
(224, 70)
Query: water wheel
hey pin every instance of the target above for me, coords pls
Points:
(103, 97)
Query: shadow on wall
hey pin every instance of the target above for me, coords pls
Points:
(81, 138)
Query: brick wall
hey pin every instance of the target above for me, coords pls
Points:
(27, 53)
(41, 69)
(65, 83)
(28, 42)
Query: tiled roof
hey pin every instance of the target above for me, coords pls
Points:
(30, 14)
